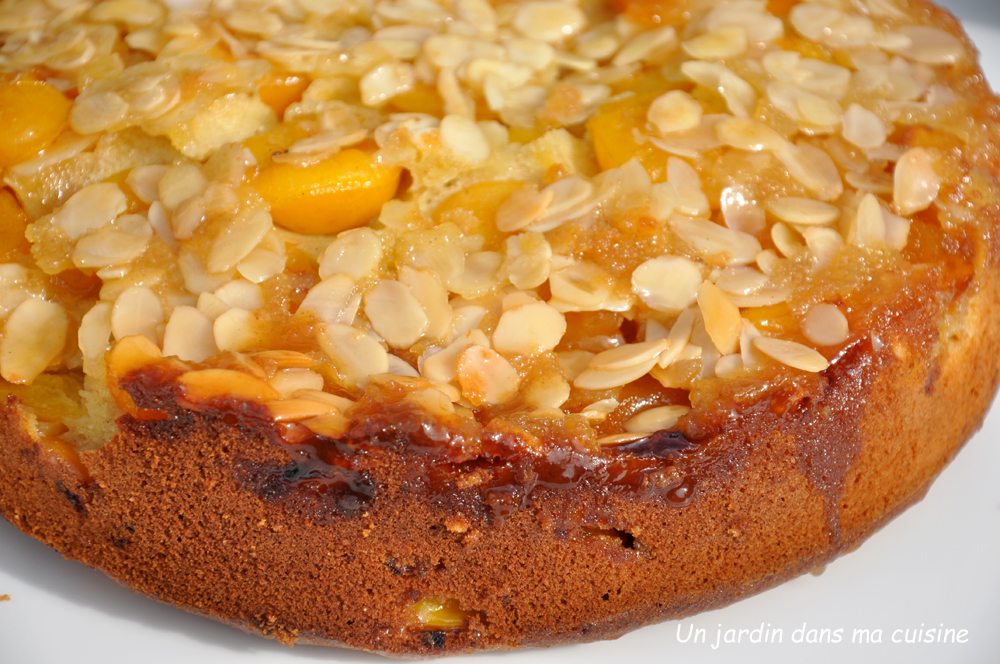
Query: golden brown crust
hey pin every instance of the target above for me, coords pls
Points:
(173, 510)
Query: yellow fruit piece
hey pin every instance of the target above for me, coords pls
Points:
(13, 221)
(772, 319)
(279, 91)
(32, 114)
(435, 613)
(421, 99)
(51, 397)
(614, 142)
(343, 191)
(474, 209)
(274, 141)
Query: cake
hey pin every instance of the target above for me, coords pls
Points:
(427, 328)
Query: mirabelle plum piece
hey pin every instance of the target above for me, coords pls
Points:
(421, 99)
(614, 143)
(435, 613)
(772, 319)
(653, 13)
(474, 209)
(13, 221)
(274, 141)
(343, 191)
(280, 90)
(32, 114)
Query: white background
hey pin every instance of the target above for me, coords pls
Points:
(937, 563)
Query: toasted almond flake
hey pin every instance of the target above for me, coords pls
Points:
(33, 337)
(439, 367)
(225, 384)
(548, 20)
(233, 330)
(132, 12)
(296, 410)
(628, 356)
(786, 241)
(94, 337)
(813, 168)
(678, 338)
(94, 112)
(356, 253)
(691, 198)
(289, 382)
(479, 276)
(791, 354)
(916, 183)
(433, 298)
(241, 293)
(863, 128)
(261, 265)
(741, 280)
(741, 212)
(386, 81)
(825, 325)
(573, 362)
(238, 238)
(522, 208)
(342, 404)
(118, 243)
(599, 410)
(486, 377)
(464, 138)
(750, 135)
(599, 44)
(674, 111)
(145, 182)
(717, 44)
(803, 211)
(400, 367)
(585, 287)
(137, 310)
(356, 355)
(722, 317)
(180, 183)
(647, 46)
(931, 45)
(395, 313)
(667, 283)
(90, 208)
(739, 95)
(823, 243)
(728, 365)
(869, 226)
(527, 260)
(188, 335)
(529, 329)
(570, 196)
(662, 418)
(547, 391)
(711, 239)
(819, 115)
(620, 439)
(333, 300)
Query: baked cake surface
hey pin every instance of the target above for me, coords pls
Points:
(483, 481)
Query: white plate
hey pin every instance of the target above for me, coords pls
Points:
(937, 564)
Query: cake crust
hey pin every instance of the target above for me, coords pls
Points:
(177, 509)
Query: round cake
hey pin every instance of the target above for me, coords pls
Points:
(426, 327)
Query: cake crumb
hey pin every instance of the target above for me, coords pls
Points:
(4, 598)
